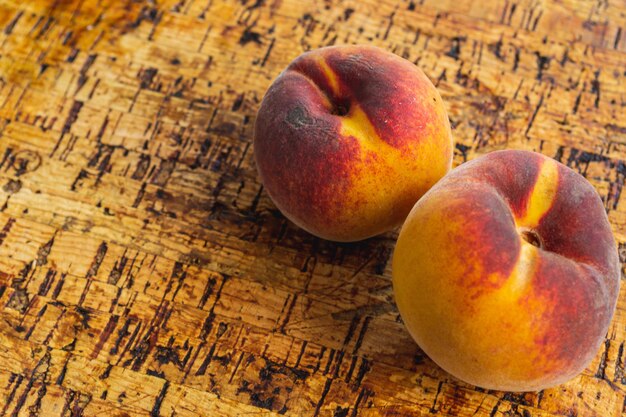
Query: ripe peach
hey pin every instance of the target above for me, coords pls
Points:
(348, 138)
(506, 272)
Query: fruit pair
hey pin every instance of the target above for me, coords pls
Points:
(505, 271)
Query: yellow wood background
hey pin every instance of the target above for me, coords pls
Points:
(143, 270)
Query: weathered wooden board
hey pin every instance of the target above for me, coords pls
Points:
(143, 270)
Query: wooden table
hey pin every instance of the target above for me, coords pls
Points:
(143, 270)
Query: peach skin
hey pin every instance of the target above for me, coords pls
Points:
(506, 272)
(348, 138)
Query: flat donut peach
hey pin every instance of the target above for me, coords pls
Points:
(348, 138)
(506, 272)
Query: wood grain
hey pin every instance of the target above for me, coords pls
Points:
(143, 270)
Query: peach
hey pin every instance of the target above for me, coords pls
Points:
(506, 272)
(348, 138)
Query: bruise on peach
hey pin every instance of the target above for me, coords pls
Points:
(306, 148)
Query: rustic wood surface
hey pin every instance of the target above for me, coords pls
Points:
(143, 270)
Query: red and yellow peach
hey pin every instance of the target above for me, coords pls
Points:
(348, 138)
(506, 272)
